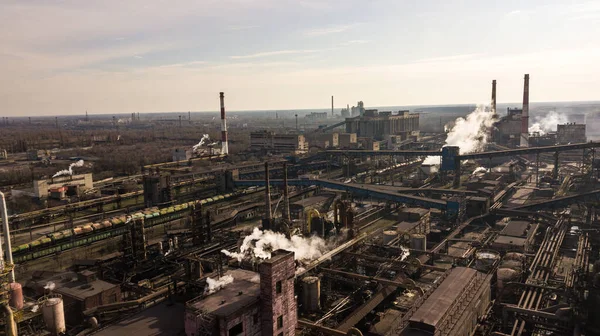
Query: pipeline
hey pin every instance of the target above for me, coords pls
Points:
(7, 245)
(11, 326)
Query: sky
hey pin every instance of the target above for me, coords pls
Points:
(109, 56)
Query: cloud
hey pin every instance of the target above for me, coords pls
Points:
(328, 30)
(185, 64)
(273, 53)
(351, 42)
(448, 58)
(138, 56)
(515, 12)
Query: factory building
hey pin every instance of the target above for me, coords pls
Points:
(313, 116)
(3, 154)
(508, 129)
(63, 185)
(454, 307)
(180, 154)
(515, 236)
(253, 304)
(378, 125)
(347, 140)
(280, 143)
(570, 133)
(80, 291)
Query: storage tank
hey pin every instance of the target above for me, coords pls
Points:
(515, 256)
(506, 275)
(485, 260)
(311, 293)
(388, 236)
(513, 264)
(418, 241)
(16, 295)
(53, 313)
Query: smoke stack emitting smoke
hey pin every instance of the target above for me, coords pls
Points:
(69, 171)
(224, 144)
(469, 133)
(547, 123)
(260, 244)
(202, 141)
(494, 96)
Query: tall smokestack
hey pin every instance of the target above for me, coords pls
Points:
(494, 96)
(267, 220)
(7, 246)
(224, 145)
(286, 196)
(525, 115)
(332, 106)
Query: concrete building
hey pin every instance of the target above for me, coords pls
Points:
(369, 143)
(80, 291)
(281, 143)
(249, 306)
(516, 236)
(74, 184)
(454, 307)
(313, 116)
(570, 133)
(507, 130)
(331, 138)
(377, 125)
(180, 154)
(347, 140)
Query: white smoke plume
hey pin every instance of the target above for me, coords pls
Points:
(470, 134)
(214, 285)
(204, 138)
(50, 286)
(479, 170)
(69, 171)
(260, 244)
(547, 123)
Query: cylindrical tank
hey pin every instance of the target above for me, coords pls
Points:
(388, 236)
(311, 293)
(53, 313)
(514, 256)
(512, 264)
(485, 260)
(16, 295)
(506, 275)
(418, 242)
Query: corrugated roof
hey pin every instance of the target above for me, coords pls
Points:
(435, 307)
(515, 229)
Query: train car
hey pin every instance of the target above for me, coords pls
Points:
(98, 226)
(87, 228)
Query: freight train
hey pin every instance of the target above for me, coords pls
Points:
(88, 233)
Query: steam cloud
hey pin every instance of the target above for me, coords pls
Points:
(260, 244)
(470, 134)
(479, 170)
(214, 285)
(547, 123)
(69, 171)
(50, 286)
(204, 138)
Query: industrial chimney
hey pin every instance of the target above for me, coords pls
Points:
(525, 115)
(224, 145)
(494, 96)
(332, 106)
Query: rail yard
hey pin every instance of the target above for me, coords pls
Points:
(364, 226)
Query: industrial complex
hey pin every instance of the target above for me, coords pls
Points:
(355, 223)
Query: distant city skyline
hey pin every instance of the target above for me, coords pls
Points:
(66, 57)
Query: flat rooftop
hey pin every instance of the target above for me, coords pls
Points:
(515, 228)
(228, 300)
(68, 284)
(433, 309)
(163, 319)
